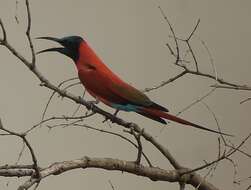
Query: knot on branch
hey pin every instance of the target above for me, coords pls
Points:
(184, 175)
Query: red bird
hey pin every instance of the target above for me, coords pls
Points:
(106, 86)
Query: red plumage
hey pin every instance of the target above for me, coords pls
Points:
(106, 86)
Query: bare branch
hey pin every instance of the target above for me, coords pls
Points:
(4, 39)
(193, 55)
(111, 133)
(239, 150)
(94, 108)
(189, 46)
(22, 136)
(239, 181)
(59, 118)
(224, 156)
(186, 70)
(221, 81)
(196, 101)
(195, 28)
(210, 57)
(153, 173)
(53, 93)
(165, 82)
(16, 10)
(33, 157)
(71, 85)
(205, 176)
(15, 166)
(216, 121)
(179, 175)
(16, 172)
(28, 34)
(243, 101)
(78, 106)
(137, 137)
(20, 153)
(174, 36)
(112, 186)
(238, 87)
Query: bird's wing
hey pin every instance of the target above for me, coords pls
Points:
(131, 95)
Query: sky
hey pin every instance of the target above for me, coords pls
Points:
(130, 37)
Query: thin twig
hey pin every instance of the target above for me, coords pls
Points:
(52, 94)
(216, 121)
(190, 47)
(71, 85)
(115, 134)
(234, 168)
(78, 106)
(20, 153)
(3, 41)
(173, 33)
(249, 187)
(111, 184)
(16, 11)
(137, 137)
(193, 55)
(243, 101)
(210, 57)
(238, 87)
(22, 136)
(196, 101)
(205, 176)
(165, 82)
(241, 151)
(58, 118)
(194, 29)
(33, 62)
(224, 156)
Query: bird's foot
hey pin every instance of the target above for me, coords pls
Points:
(113, 118)
(96, 101)
(92, 103)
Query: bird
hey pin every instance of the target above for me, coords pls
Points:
(105, 86)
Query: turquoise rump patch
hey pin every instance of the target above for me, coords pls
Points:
(127, 107)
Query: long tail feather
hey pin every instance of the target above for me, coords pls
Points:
(153, 117)
(161, 114)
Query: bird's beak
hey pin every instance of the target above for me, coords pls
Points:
(62, 50)
(69, 45)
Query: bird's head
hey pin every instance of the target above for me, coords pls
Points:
(70, 46)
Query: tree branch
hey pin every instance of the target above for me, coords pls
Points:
(153, 173)
(22, 136)
(28, 34)
(4, 39)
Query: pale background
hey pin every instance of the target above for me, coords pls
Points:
(130, 37)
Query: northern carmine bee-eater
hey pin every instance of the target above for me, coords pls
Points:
(106, 86)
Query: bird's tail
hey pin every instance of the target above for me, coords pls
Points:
(153, 113)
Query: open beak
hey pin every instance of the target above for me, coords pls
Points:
(69, 46)
(58, 49)
(63, 50)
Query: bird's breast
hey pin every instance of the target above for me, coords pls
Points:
(95, 81)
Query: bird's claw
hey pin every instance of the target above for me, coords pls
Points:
(112, 119)
(92, 103)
